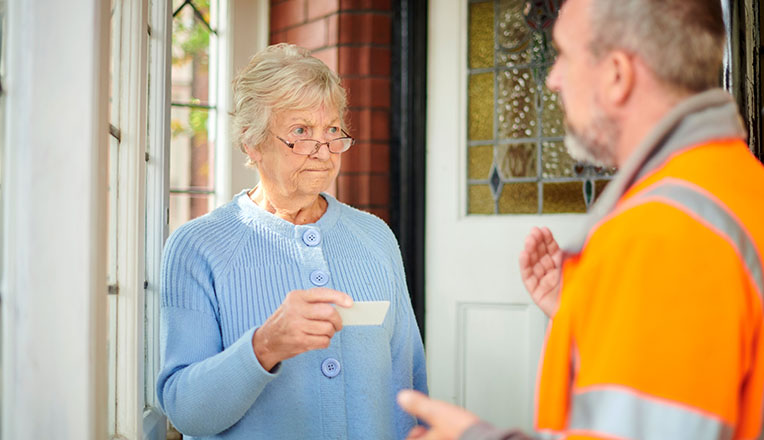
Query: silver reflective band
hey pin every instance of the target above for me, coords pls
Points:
(709, 210)
(625, 415)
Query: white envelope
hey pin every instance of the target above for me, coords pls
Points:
(364, 313)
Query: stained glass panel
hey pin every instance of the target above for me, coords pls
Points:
(481, 106)
(516, 104)
(599, 187)
(511, 108)
(556, 162)
(563, 197)
(481, 37)
(552, 116)
(480, 161)
(519, 198)
(517, 160)
(481, 200)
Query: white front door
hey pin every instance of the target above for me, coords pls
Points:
(483, 333)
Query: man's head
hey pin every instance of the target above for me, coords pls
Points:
(622, 64)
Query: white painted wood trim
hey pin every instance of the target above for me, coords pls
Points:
(54, 183)
(157, 188)
(248, 34)
(220, 79)
(131, 206)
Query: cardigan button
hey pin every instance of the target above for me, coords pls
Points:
(331, 367)
(319, 277)
(311, 237)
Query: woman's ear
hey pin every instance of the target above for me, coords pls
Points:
(254, 153)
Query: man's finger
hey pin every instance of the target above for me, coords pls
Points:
(418, 431)
(418, 405)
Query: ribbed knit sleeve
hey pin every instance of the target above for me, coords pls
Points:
(203, 388)
(409, 369)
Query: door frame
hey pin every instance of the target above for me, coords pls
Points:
(408, 142)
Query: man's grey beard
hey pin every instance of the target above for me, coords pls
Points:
(596, 143)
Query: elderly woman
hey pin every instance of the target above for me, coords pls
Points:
(253, 346)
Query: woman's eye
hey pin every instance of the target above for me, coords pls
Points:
(299, 131)
(334, 130)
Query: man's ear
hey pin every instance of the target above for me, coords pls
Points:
(619, 74)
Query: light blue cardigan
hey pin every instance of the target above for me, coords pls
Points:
(224, 273)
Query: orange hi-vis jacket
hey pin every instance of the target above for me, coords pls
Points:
(659, 333)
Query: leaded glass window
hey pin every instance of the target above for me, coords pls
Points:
(194, 110)
(516, 160)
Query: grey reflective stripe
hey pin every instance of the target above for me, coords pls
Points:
(715, 214)
(625, 415)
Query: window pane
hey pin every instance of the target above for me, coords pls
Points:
(193, 115)
(114, 65)
(509, 84)
(192, 154)
(185, 207)
(519, 198)
(190, 55)
(481, 106)
(111, 270)
(481, 37)
(480, 160)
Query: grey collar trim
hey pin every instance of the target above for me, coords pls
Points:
(700, 118)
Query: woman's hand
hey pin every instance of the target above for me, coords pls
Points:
(540, 268)
(305, 321)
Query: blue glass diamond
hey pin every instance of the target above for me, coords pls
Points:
(494, 181)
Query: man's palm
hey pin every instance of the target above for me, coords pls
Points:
(540, 268)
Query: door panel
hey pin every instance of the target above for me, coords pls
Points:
(484, 335)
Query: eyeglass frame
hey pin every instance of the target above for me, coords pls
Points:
(318, 144)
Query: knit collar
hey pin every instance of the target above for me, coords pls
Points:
(707, 116)
(251, 212)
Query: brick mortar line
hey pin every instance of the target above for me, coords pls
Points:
(355, 76)
(364, 173)
(369, 107)
(319, 18)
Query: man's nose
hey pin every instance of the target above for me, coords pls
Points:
(553, 80)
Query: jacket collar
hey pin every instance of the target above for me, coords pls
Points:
(700, 118)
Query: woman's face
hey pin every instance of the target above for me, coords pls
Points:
(295, 175)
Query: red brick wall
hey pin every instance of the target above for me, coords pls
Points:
(353, 38)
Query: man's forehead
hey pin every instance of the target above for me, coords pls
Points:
(570, 20)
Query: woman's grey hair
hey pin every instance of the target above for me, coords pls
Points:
(681, 41)
(281, 76)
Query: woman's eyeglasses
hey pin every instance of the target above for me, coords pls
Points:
(307, 147)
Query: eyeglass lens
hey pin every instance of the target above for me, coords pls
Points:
(309, 146)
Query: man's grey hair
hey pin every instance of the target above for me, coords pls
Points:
(681, 41)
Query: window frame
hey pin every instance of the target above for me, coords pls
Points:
(157, 203)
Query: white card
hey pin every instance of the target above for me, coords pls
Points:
(364, 313)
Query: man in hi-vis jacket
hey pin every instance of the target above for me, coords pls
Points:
(656, 310)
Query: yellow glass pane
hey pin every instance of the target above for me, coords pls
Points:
(599, 186)
(563, 197)
(480, 159)
(480, 106)
(519, 198)
(481, 200)
(481, 35)
(518, 160)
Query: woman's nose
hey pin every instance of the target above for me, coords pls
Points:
(322, 151)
